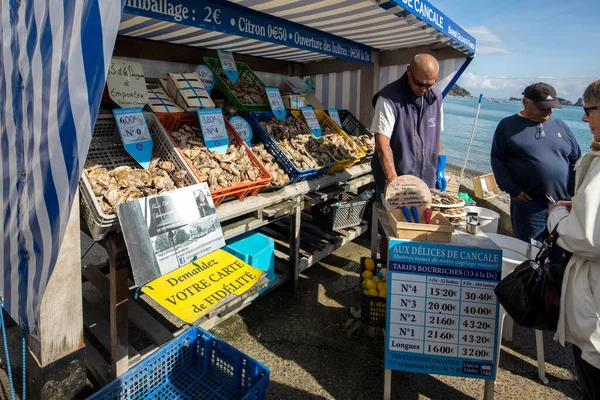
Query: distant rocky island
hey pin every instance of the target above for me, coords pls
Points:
(560, 100)
(579, 102)
(459, 92)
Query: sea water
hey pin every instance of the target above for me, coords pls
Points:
(459, 114)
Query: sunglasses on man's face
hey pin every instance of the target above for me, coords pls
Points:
(421, 84)
(588, 110)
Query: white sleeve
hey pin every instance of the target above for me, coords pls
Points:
(579, 230)
(384, 117)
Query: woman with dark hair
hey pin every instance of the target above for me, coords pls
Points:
(578, 224)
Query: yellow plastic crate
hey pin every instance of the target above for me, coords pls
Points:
(325, 121)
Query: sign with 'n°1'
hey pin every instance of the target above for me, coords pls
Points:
(213, 129)
(135, 135)
(311, 120)
(276, 102)
(228, 65)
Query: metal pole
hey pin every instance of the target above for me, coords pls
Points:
(462, 172)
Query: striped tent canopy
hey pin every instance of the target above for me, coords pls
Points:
(381, 25)
(55, 57)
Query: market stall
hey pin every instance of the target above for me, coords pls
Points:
(348, 50)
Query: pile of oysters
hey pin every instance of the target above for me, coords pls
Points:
(366, 141)
(294, 139)
(338, 146)
(247, 91)
(218, 170)
(125, 183)
(278, 175)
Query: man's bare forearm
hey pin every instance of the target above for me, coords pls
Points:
(386, 157)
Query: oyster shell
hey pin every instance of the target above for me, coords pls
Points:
(278, 175)
(247, 91)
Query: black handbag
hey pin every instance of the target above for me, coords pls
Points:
(531, 293)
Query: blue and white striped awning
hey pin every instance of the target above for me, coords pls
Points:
(54, 61)
(226, 25)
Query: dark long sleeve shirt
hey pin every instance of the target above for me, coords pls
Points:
(536, 160)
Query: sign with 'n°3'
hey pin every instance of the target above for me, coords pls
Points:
(134, 132)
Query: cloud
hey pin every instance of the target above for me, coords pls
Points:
(488, 42)
(503, 87)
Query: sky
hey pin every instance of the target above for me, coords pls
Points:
(520, 42)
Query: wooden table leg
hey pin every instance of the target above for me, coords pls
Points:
(119, 342)
(296, 218)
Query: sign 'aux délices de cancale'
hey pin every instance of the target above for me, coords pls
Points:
(194, 289)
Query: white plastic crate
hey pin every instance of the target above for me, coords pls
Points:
(107, 149)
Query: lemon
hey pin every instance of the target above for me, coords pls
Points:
(369, 264)
(369, 284)
(376, 279)
(381, 286)
(371, 292)
(382, 293)
(367, 274)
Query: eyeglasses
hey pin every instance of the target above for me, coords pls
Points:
(540, 132)
(419, 83)
(588, 109)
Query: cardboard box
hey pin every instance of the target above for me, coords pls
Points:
(161, 102)
(438, 230)
(188, 92)
(485, 186)
(293, 101)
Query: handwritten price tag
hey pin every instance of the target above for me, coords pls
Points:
(333, 114)
(126, 83)
(276, 102)
(134, 132)
(213, 129)
(242, 127)
(311, 120)
(206, 76)
(228, 65)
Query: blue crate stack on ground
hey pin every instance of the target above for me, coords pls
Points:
(194, 365)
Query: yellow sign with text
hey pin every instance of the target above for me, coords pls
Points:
(195, 288)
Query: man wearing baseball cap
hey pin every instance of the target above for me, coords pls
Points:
(533, 159)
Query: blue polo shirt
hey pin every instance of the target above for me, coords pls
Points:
(524, 159)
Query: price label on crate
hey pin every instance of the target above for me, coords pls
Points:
(228, 65)
(333, 114)
(443, 314)
(311, 120)
(213, 129)
(206, 76)
(242, 127)
(134, 132)
(276, 102)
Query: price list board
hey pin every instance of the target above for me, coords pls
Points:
(443, 314)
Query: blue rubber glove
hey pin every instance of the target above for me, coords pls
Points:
(440, 178)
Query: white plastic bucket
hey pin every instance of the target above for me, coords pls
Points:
(488, 219)
(514, 251)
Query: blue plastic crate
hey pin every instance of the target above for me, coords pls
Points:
(295, 174)
(194, 365)
(256, 250)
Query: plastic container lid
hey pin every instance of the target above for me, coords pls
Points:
(293, 84)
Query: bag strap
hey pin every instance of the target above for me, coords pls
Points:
(547, 246)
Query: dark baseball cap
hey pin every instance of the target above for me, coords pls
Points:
(542, 95)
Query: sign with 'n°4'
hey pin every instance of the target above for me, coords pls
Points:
(135, 135)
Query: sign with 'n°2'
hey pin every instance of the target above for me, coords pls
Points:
(135, 135)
